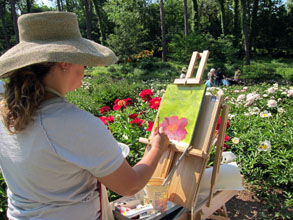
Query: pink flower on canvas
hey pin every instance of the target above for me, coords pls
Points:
(175, 127)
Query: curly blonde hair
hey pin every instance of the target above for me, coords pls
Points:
(23, 94)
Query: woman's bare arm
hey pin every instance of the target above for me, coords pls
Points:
(127, 180)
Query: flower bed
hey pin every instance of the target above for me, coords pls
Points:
(260, 133)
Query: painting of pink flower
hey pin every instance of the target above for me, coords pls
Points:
(175, 127)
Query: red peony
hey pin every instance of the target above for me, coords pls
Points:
(104, 109)
(133, 116)
(146, 95)
(119, 104)
(219, 122)
(155, 103)
(103, 119)
(106, 119)
(150, 126)
(128, 101)
(110, 119)
(137, 122)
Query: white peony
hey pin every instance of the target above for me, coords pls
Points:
(272, 103)
(240, 98)
(265, 114)
(271, 90)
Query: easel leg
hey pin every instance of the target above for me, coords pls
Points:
(197, 215)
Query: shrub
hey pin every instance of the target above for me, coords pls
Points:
(102, 91)
(261, 117)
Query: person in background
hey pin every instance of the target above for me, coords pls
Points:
(1, 88)
(54, 157)
(219, 77)
(237, 74)
(183, 72)
(211, 77)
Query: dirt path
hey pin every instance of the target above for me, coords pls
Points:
(246, 205)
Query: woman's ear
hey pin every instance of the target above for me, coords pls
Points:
(64, 66)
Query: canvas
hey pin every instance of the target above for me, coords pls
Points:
(179, 111)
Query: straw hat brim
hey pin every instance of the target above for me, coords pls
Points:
(78, 51)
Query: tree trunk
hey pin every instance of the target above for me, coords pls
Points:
(253, 33)
(237, 29)
(186, 28)
(99, 12)
(195, 15)
(59, 5)
(88, 14)
(29, 6)
(4, 28)
(164, 46)
(270, 45)
(245, 31)
(14, 19)
(222, 14)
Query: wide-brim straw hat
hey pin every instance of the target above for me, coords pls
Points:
(53, 37)
(184, 69)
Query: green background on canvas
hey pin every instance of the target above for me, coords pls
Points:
(184, 102)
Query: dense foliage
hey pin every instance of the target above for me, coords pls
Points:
(130, 27)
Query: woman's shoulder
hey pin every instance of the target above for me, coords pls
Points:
(62, 112)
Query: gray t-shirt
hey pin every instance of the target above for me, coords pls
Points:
(51, 167)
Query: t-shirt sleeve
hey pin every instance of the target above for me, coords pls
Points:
(82, 139)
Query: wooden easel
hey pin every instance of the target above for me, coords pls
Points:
(185, 183)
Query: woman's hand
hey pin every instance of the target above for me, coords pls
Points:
(160, 140)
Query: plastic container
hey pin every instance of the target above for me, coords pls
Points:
(156, 194)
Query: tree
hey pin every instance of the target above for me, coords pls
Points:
(14, 19)
(236, 27)
(164, 44)
(4, 28)
(222, 15)
(245, 31)
(59, 5)
(252, 37)
(28, 6)
(129, 37)
(186, 27)
(88, 15)
(102, 18)
(195, 15)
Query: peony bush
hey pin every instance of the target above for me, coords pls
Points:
(129, 120)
